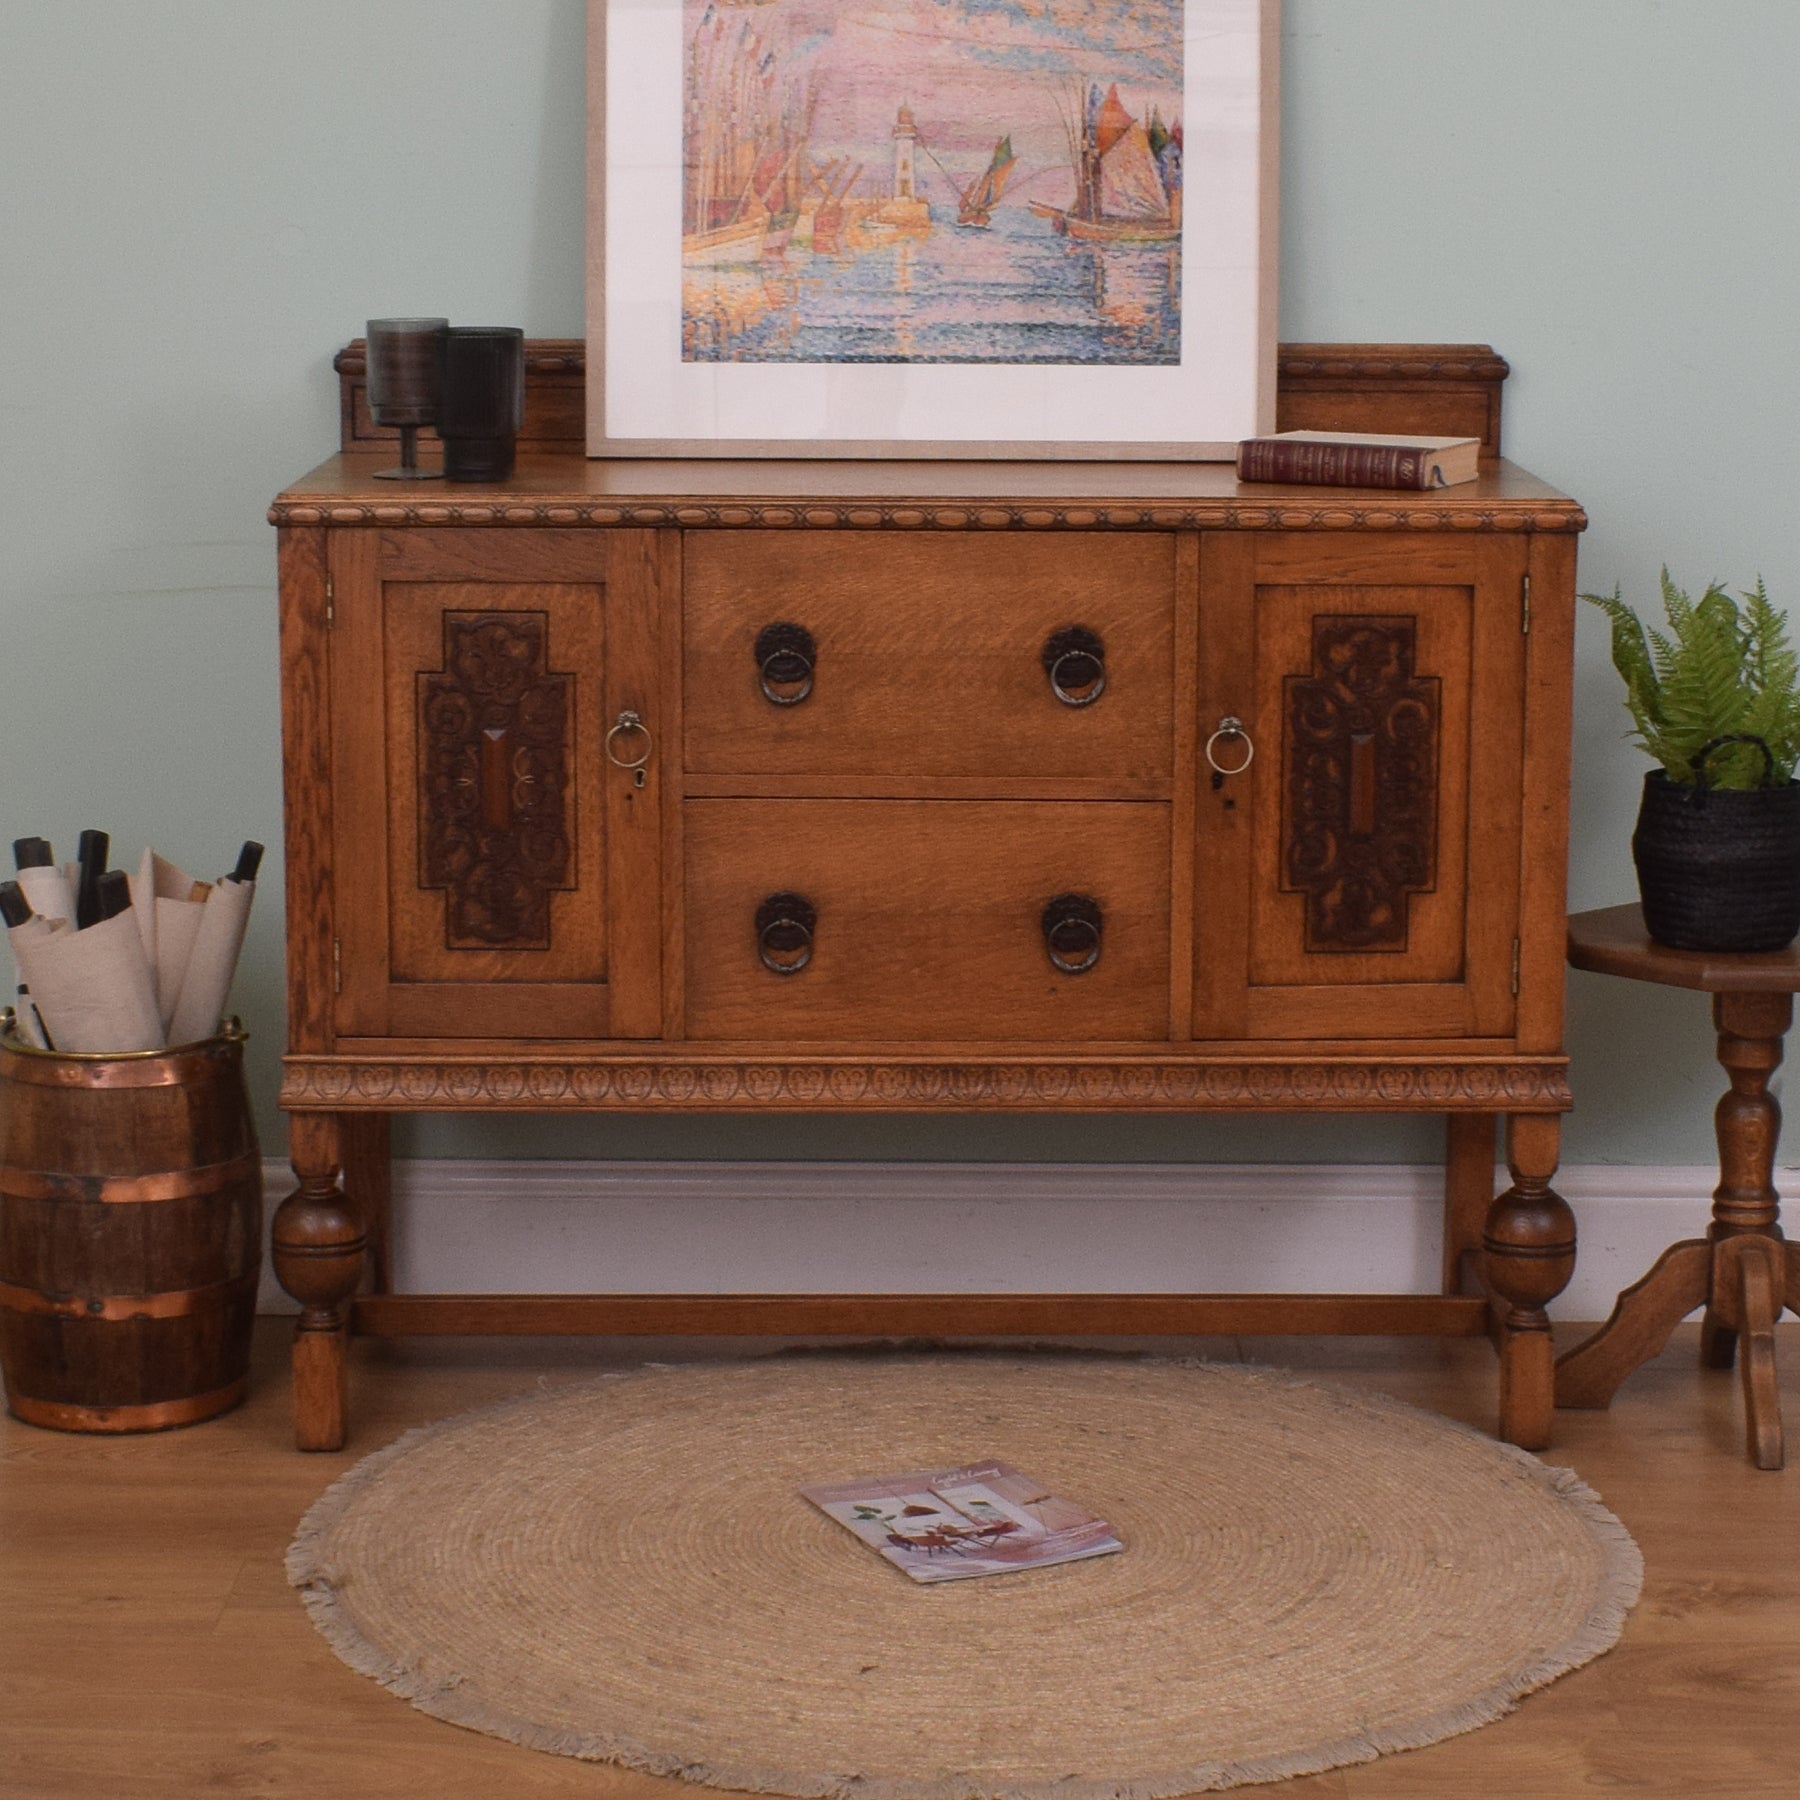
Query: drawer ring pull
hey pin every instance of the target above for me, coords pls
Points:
(784, 933)
(1076, 657)
(785, 656)
(1230, 727)
(1072, 926)
(627, 722)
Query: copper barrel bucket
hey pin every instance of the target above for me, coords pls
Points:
(130, 1234)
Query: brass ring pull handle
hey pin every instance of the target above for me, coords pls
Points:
(1072, 924)
(1075, 660)
(784, 933)
(785, 658)
(1230, 727)
(626, 723)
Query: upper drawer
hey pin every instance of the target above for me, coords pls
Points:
(928, 654)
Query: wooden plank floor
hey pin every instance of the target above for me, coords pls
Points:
(150, 1648)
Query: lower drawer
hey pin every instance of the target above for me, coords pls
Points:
(926, 919)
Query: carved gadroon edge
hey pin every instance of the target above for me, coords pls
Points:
(929, 515)
(701, 1084)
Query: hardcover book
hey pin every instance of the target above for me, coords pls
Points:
(951, 1524)
(1359, 459)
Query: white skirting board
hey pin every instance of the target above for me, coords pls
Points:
(721, 1227)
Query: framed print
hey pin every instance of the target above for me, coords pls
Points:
(947, 228)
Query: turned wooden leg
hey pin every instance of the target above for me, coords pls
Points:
(1528, 1256)
(1747, 1122)
(318, 1243)
(1468, 1193)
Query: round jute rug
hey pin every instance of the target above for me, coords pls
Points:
(625, 1571)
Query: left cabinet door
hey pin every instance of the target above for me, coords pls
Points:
(497, 874)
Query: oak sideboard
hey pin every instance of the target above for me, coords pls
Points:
(913, 786)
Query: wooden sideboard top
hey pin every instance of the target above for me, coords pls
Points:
(559, 488)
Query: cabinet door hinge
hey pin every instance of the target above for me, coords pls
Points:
(1515, 969)
(330, 604)
(337, 968)
(1525, 604)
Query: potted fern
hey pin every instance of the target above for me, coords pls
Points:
(1716, 701)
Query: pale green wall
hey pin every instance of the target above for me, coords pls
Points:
(201, 199)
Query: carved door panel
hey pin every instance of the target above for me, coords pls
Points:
(1361, 877)
(496, 872)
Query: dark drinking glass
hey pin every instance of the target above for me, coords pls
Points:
(483, 403)
(406, 375)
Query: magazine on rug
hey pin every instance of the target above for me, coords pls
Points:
(950, 1524)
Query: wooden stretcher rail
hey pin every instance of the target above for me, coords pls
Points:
(920, 1315)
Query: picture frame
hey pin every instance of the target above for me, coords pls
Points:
(931, 228)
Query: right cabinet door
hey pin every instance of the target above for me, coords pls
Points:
(1360, 877)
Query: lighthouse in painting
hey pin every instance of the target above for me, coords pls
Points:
(906, 210)
(906, 139)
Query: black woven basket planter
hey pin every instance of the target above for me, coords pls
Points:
(1719, 868)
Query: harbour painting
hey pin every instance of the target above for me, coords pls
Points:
(932, 181)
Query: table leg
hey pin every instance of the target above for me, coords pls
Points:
(318, 1243)
(1747, 1123)
(1752, 1269)
(1528, 1256)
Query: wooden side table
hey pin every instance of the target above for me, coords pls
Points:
(1742, 1271)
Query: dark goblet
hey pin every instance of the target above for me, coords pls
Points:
(484, 401)
(406, 378)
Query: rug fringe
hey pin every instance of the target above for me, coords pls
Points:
(309, 1571)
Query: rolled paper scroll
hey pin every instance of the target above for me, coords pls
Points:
(48, 890)
(143, 902)
(25, 1015)
(26, 1021)
(204, 989)
(173, 900)
(92, 989)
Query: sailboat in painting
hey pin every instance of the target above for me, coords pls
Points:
(976, 207)
(745, 146)
(1127, 174)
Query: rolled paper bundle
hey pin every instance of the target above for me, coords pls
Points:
(174, 901)
(26, 1021)
(49, 891)
(93, 989)
(207, 984)
(25, 1015)
(143, 902)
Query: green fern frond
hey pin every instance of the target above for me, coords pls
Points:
(1718, 671)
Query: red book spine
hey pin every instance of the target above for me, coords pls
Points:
(1333, 465)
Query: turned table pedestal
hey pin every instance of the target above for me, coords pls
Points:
(1743, 1271)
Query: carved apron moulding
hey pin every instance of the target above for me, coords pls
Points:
(1252, 1086)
